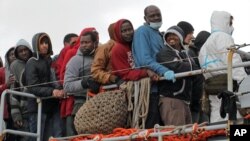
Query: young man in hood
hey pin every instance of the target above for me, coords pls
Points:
(147, 42)
(175, 95)
(101, 68)
(18, 104)
(38, 76)
(213, 54)
(121, 57)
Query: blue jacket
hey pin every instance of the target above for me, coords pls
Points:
(147, 43)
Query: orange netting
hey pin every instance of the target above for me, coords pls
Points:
(247, 116)
(198, 134)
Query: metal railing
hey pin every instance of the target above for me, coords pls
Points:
(22, 133)
(155, 134)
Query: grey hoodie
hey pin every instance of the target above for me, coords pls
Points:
(78, 67)
(18, 65)
(18, 104)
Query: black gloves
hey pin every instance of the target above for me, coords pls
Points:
(91, 84)
(228, 105)
(94, 86)
(118, 81)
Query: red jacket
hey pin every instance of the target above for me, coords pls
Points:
(59, 61)
(122, 59)
(3, 86)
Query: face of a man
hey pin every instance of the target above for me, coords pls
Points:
(72, 41)
(11, 56)
(23, 53)
(188, 38)
(153, 14)
(44, 46)
(86, 45)
(127, 32)
(173, 40)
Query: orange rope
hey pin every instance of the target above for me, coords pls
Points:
(247, 116)
(198, 134)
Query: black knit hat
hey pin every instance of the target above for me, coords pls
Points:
(201, 39)
(186, 27)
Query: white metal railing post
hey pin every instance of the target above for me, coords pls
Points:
(1, 114)
(2, 132)
(39, 118)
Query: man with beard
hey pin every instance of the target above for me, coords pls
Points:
(76, 78)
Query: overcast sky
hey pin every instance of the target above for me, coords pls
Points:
(24, 18)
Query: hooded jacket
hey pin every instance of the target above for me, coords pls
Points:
(194, 49)
(17, 66)
(178, 61)
(68, 103)
(122, 60)
(71, 52)
(19, 104)
(37, 76)
(78, 67)
(213, 53)
(101, 67)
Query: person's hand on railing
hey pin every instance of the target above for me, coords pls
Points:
(58, 93)
(11, 80)
(169, 75)
(93, 85)
(153, 76)
(18, 121)
(90, 83)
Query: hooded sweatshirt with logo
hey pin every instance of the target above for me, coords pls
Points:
(121, 57)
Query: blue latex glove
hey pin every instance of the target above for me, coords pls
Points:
(169, 75)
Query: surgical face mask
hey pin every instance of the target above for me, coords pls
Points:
(155, 25)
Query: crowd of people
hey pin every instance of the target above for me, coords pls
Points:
(84, 65)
